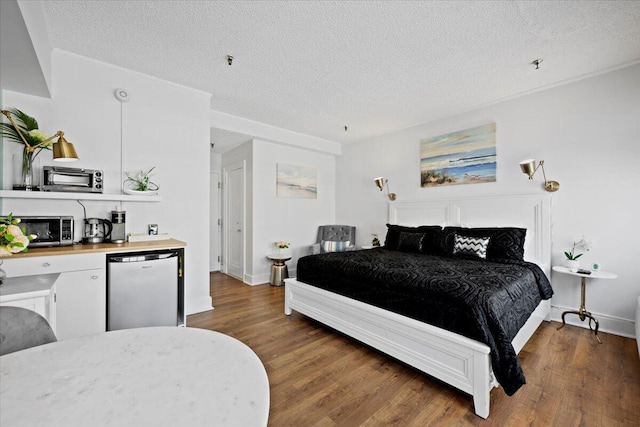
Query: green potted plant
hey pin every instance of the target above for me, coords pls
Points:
(141, 181)
(24, 130)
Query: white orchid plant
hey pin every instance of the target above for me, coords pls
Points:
(141, 181)
(584, 243)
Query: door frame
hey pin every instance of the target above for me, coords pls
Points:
(217, 225)
(242, 164)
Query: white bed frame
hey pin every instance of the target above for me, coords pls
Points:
(459, 361)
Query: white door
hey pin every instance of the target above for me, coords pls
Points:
(214, 222)
(234, 222)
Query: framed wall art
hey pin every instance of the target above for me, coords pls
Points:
(296, 182)
(463, 157)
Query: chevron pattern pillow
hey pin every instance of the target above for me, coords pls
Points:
(474, 246)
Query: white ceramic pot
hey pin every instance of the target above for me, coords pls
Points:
(572, 263)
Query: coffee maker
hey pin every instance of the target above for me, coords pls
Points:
(96, 230)
(118, 234)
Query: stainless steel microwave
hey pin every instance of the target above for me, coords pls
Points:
(55, 178)
(49, 230)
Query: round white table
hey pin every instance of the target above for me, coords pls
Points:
(136, 377)
(582, 312)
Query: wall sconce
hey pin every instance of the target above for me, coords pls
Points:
(380, 182)
(63, 150)
(529, 167)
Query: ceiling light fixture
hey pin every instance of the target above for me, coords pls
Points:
(229, 59)
(537, 62)
(345, 128)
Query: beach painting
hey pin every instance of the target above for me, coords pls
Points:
(463, 157)
(298, 182)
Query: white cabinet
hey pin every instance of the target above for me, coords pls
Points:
(79, 293)
(80, 302)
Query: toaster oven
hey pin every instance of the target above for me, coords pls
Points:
(56, 178)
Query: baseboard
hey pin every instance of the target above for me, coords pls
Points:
(264, 278)
(608, 324)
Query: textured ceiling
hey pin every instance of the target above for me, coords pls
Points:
(314, 67)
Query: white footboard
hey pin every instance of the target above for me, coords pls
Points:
(454, 359)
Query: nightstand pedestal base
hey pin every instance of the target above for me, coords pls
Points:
(583, 313)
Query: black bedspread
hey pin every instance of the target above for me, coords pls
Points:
(487, 301)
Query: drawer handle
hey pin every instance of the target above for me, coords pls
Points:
(94, 277)
(46, 264)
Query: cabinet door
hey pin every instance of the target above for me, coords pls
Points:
(80, 303)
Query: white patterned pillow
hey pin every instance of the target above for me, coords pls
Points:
(332, 246)
(474, 246)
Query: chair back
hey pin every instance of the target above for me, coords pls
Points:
(21, 328)
(337, 233)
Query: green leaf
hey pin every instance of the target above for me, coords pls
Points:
(577, 256)
(28, 122)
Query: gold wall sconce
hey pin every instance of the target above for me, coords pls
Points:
(529, 167)
(63, 150)
(380, 183)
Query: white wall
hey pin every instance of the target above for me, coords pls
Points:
(292, 220)
(164, 125)
(587, 133)
(270, 218)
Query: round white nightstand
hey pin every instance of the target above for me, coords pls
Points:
(583, 313)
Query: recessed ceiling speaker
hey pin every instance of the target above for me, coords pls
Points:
(122, 95)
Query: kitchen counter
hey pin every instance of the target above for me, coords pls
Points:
(82, 248)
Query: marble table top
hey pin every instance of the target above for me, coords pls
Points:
(136, 377)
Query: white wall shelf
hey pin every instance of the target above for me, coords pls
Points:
(51, 195)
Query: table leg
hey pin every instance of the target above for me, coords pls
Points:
(583, 313)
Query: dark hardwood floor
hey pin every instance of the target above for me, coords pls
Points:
(319, 377)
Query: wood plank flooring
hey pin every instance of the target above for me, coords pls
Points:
(321, 378)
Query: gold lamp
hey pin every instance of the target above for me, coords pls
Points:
(63, 150)
(380, 182)
(529, 167)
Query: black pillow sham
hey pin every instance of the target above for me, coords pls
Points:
(430, 241)
(410, 242)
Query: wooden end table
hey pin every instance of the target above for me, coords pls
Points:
(582, 312)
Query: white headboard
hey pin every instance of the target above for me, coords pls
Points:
(532, 212)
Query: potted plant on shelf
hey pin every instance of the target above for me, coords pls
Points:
(13, 239)
(141, 183)
(572, 257)
(24, 130)
(375, 242)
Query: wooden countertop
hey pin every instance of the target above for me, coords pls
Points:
(82, 248)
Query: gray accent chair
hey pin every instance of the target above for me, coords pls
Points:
(21, 328)
(335, 233)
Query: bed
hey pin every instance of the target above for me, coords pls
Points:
(454, 358)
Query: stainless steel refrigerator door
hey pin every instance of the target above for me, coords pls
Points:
(142, 293)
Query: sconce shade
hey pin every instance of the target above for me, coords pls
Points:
(379, 182)
(529, 167)
(64, 151)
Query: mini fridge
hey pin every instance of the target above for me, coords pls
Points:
(145, 289)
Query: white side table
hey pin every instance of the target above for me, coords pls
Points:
(583, 313)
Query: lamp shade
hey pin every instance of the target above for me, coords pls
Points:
(379, 182)
(64, 151)
(528, 166)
